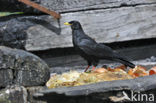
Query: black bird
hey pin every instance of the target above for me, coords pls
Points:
(92, 51)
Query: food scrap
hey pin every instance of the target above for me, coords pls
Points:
(152, 71)
(138, 71)
(75, 78)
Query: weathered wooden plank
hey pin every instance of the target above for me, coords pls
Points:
(106, 25)
(69, 5)
(74, 5)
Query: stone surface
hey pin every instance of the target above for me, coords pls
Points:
(15, 5)
(13, 94)
(13, 30)
(31, 91)
(22, 68)
(19, 94)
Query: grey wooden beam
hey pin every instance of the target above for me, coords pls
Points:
(76, 5)
(105, 26)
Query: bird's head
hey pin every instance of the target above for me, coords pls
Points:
(74, 25)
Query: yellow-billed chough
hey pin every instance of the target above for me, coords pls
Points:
(92, 51)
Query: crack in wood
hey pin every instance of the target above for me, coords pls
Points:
(106, 8)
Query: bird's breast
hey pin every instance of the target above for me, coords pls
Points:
(76, 40)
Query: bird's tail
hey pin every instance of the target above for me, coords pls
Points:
(124, 61)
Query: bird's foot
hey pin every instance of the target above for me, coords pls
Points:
(89, 71)
(93, 68)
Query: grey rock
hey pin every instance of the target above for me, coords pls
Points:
(13, 94)
(19, 94)
(22, 68)
(15, 5)
(13, 30)
(12, 33)
(31, 91)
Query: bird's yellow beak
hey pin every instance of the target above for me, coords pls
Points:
(66, 23)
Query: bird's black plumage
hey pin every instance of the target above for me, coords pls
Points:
(92, 51)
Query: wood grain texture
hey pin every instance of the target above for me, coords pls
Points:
(104, 25)
(75, 5)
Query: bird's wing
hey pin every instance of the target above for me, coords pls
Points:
(90, 47)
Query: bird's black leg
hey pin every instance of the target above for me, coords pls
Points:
(87, 68)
